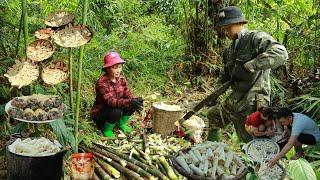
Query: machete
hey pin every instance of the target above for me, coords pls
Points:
(212, 97)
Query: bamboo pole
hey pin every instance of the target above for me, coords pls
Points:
(71, 82)
(19, 34)
(76, 128)
(25, 24)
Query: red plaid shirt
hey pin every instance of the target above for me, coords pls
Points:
(111, 94)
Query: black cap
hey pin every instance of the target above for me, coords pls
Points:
(230, 15)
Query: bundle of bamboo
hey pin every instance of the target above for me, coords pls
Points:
(112, 164)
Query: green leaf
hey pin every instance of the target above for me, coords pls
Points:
(301, 170)
(19, 128)
(63, 133)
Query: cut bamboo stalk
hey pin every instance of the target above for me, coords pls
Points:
(96, 177)
(168, 168)
(108, 168)
(145, 142)
(162, 169)
(101, 172)
(126, 171)
(151, 169)
(129, 165)
(107, 154)
(145, 156)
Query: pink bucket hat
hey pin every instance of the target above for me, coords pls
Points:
(111, 59)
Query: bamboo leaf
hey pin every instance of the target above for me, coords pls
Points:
(63, 133)
(301, 169)
(19, 127)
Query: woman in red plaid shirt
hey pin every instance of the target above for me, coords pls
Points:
(114, 102)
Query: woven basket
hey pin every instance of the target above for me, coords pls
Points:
(163, 121)
(56, 68)
(72, 36)
(59, 18)
(197, 177)
(40, 50)
(22, 73)
(283, 175)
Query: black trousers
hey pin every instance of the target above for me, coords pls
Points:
(307, 139)
(111, 115)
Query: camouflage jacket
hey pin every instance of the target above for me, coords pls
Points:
(249, 65)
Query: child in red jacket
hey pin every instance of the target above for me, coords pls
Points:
(114, 102)
(261, 123)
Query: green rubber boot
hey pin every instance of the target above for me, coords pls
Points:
(108, 129)
(123, 124)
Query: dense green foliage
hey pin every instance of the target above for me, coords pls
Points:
(156, 40)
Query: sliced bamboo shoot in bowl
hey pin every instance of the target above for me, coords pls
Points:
(22, 73)
(40, 50)
(55, 73)
(59, 18)
(72, 36)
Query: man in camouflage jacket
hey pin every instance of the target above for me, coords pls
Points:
(247, 63)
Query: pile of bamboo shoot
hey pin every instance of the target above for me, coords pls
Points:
(157, 144)
(211, 160)
(111, 164)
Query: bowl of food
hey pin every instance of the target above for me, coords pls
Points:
(262, 149)
(210, 160)
(37, 108)
(40, 50)
(59, 18)
(22, 73)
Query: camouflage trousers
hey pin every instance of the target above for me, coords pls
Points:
(222, 114)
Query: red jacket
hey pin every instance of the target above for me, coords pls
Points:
(111, 94)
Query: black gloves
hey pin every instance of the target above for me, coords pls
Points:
(136, 103)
